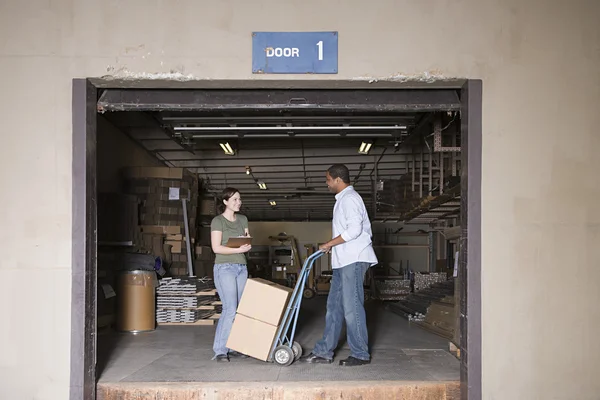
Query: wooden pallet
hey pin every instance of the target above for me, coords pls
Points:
(206, 292)
(212, 320)
(200, 322)
(210, 306)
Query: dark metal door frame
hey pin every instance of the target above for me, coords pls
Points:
(470, 254)
(84, 263)
(83, 251)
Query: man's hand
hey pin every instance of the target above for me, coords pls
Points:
(325, 248)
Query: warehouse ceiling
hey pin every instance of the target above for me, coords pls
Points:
(277, 159)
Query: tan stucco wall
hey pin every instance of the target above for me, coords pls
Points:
(539, 61)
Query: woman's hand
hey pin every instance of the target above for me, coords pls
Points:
(245, 248)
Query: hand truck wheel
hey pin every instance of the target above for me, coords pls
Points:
(309, 293)
(283, 356)
(297, 349)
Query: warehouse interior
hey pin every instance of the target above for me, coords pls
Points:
(159, 173)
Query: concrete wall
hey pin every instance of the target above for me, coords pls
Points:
(395, 252)
(539, 61)
(116, 151)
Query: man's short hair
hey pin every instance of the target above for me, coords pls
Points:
(339, 171)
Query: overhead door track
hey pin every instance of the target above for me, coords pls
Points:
(340, 100)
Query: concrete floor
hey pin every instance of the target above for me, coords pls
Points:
(400, 352)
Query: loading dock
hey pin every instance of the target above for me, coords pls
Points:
(351, 98)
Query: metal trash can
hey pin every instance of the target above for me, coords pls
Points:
(137, 301)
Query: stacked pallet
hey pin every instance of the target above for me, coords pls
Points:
(432, 308)
(160, 191)
(424, 280)
(441, 317)
(186, 301)
(392, 289)
(417, 303)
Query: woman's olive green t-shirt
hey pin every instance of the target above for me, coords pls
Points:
(230, 229)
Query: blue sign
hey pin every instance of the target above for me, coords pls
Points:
(295, 52)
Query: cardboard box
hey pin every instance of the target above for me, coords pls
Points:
(207, 207)
(251, 337)
(264, 301)
(176, 246)
(153, 172)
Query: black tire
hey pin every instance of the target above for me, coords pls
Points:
(283, 356)
(309, 293)
(297, 349)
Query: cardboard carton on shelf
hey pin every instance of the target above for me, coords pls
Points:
(207, 207)
(259, 314)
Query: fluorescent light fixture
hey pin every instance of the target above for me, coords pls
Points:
(365, 147)
(261, 185)
(293, 128)
(227, 148)
(273, 203)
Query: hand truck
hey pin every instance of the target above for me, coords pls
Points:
(285, 351)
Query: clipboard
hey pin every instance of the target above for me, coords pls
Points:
(239, 241)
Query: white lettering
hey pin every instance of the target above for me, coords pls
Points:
(283, 52)
(320, 46)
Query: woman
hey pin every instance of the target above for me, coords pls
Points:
(230, 269)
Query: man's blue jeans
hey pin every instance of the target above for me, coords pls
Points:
(346, 302)
(230, 280)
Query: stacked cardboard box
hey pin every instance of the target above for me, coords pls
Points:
(151, 239)
(160, 191)
(258, 317)
(208, 207)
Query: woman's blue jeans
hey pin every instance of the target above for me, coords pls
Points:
(230, 280)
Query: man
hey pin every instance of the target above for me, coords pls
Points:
(352, 255)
